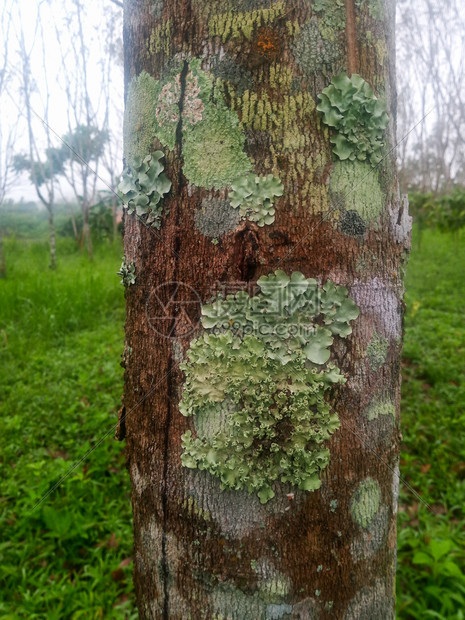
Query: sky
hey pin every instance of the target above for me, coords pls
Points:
(47, 51)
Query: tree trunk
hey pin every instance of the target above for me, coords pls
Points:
(225, 89)
(2, 258)
(52, 238)
(86, 234)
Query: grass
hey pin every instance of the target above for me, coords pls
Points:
(61, 338)
(431, 540)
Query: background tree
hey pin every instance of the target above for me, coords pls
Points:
(264, 469)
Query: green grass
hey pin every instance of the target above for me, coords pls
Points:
(431, 557)
(61, 337)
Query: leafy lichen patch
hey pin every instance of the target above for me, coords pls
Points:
(359, 118)
(272, 368)
(143, 187)
(365, 502)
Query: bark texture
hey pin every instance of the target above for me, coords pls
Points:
(202, 552)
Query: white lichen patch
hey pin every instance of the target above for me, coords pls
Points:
(370, 540)
(377, 299)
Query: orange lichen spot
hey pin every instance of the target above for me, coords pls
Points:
(268, 43)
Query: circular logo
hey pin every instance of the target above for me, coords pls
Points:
(173, 309)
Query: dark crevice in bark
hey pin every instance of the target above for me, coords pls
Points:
(171, 366)
(351, 38)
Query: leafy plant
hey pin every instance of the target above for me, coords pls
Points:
(256, 382)
(350, 107)
(143, 188)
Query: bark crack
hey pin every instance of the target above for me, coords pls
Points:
(171, 367)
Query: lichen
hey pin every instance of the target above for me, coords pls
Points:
(214, 149)
(139, 117)
(156, 8)
(160, 39)
(333, 505)
(331, 17)
(358, 117)
(380, 407)
(143, 187)
(354, 186)
(371, 602)
(237, 24)
(232, 73)
(369, 541)
(261, 368)
(377, 351)
(313, 53)
(254, 197)
(215, 217)
(127, 273)
(365, 502)
(352, 224)
(375, 8)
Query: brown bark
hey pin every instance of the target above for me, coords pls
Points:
(205, 553)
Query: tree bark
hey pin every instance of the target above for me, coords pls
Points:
(52, 239)
(202, 552)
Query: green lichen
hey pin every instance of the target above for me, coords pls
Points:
(160, 39)
(215, 217)
(350, 107)
(254, 197)
(333, 505)
(214, 149)
(139, 117)
(258, 377)
(315, 54)
(365, 502)
(378, 408)
(127, 273)
(354, 186)
(236, 24)
(143, 187)
(377, 351)
(331, 17)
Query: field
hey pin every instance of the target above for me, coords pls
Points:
(61, 335)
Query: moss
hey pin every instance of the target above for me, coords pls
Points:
(277, 419)
(354, 186)
(314, 54)
(215, 217)
(352, 224)
(139, 117)
(365, 502)
(377, 351)
(236, 24)
(214, 150)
